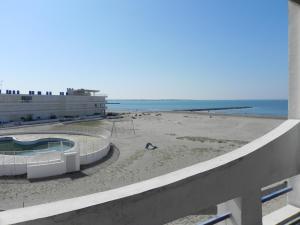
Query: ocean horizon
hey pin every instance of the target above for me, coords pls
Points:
(267, 108)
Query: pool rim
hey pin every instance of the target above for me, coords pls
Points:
(32, 142)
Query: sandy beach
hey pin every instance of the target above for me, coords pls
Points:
(182, 139)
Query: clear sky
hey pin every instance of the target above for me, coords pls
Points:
(152, 49)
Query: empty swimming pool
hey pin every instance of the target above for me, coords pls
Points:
(11, 146)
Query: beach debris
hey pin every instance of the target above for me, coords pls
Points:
(133, 117)
(112, 114)
(171, 134)
(158, 114)
(150, 146)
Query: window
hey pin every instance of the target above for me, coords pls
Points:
(26, 98)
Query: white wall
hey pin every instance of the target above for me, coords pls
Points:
(11, 169)
(46, 169)
(94, 156)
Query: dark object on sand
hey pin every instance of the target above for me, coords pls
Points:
(150, 146)
(112, 114)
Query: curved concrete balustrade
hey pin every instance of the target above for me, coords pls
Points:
(238, 174)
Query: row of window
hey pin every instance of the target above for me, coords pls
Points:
(99, 105)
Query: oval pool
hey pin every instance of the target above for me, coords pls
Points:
(10, 146)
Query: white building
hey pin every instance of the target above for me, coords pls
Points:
(17, 107)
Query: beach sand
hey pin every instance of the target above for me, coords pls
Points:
(182, 139)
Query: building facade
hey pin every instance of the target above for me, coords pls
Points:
(26, 107)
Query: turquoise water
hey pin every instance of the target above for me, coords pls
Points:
(274, 108)
(10, 147)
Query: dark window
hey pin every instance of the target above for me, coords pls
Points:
(26, 98)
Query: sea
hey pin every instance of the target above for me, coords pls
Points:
(265, 108)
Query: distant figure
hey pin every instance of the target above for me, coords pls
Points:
(150, 146)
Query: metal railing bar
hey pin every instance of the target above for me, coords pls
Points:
(216, 219)
(275, 194)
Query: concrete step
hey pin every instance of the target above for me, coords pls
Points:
(282, 215)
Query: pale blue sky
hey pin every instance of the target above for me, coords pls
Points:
(158, 49)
